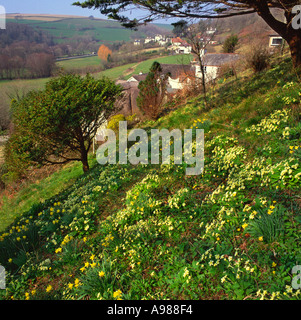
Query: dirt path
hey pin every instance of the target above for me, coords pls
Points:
(130, 70)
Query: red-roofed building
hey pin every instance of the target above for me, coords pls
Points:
(180, 46)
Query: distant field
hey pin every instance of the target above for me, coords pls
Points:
(117, 72)
(22, 85)
(79, 63)
(64, 28)
(40, 17)
(176, 59)
(135, 68)
(11, 88)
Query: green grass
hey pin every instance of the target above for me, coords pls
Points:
(26, 198)
(176, 59)
(117, 72)
(126, 71)
(69, 28)
(100, 30)
(79, 63)
(152, 232)
(11, 88)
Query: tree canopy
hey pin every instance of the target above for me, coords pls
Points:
(202, 9)
(230, 44)
(152, 91)
(58, 124)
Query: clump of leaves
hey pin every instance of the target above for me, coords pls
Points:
(268, 224)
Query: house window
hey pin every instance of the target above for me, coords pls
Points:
(276, 42)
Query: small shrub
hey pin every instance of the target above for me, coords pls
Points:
(268, 225)
(114, 122)
(230, 44)
(258, 59)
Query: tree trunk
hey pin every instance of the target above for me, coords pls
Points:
(84, 159)
(294, 42)
(284, 29)
(203, 81)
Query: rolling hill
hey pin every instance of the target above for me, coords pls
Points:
(64, 28)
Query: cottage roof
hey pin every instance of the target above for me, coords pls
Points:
(179, 40)
(218, 59)
(176, 70)
(139, 77)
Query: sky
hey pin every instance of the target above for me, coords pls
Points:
(64, 7)
(47, 7)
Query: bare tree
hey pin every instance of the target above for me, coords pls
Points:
(40, 64)
(199, 39)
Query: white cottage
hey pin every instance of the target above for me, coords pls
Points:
(212, 63)
(180, 46)
(179, 76)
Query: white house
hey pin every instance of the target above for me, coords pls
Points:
(211, 31)
(212, 62)
(148, 40)
(137, 42)
(161, 40)
(180, 46)
(158, 37)
(178, 76)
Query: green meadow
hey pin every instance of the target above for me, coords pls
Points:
(99, 30)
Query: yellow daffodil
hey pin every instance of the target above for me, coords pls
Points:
(49, 288)
(76, 283)
(117, 294)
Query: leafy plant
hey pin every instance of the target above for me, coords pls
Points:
(58, 125)
(152, 92)
(268, 224)
(230, 44)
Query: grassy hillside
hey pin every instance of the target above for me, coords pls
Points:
(94, 61)
(128, 70)
(64, 28)
(151, 232)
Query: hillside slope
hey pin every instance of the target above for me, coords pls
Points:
(151, 232)
(64, 28)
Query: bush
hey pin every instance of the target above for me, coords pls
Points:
(113, 123)
(258, 59)
(226, 71)
(230, 44)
